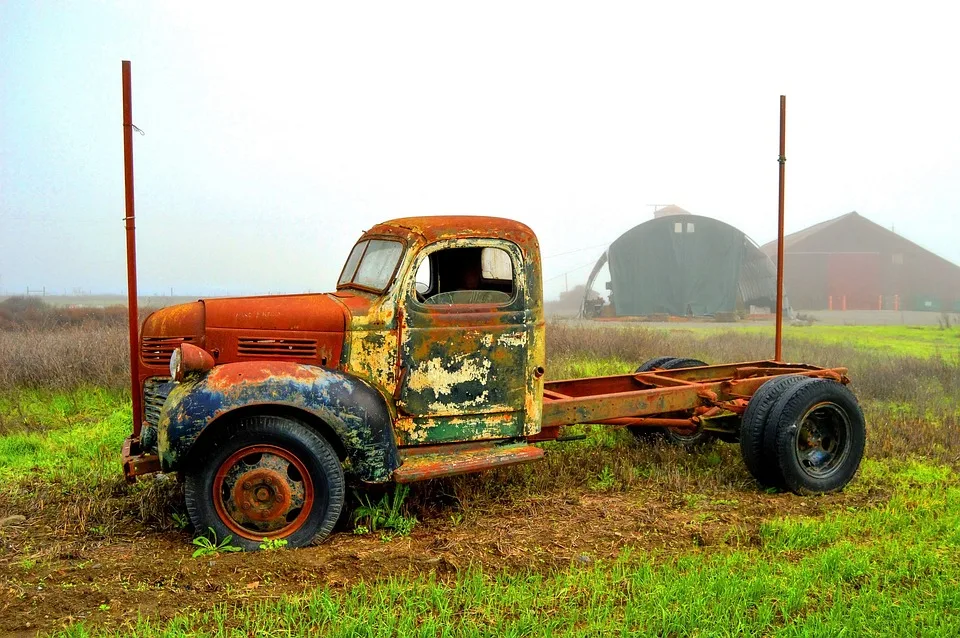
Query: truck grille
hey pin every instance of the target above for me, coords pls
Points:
(268, 348)
(156, 351)
(155, 392)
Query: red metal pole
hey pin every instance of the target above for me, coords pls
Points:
(783, 161)
(133, 313)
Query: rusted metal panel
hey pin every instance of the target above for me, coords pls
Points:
(370, 349)
(591, 409)
(603, 398)
(135, 462)
(453, 371)
(439, 227)
(353, 409)
(308, 313)
(463, 367)
(469, 427)
(439, 461)
(651, 422)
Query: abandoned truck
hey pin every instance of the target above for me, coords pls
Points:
(429, 361)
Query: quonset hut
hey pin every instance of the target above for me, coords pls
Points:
(681, 264)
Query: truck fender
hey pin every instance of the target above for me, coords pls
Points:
(356, 411)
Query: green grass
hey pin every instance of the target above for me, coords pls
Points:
(890, 570)
(909, 341)
(70, 437)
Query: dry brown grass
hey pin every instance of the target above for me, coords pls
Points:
(64, 358)
(26, 313)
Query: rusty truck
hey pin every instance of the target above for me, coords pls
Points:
(427, 361)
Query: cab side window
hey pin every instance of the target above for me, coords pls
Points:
(473, 275)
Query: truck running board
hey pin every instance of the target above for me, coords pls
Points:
(447, 460)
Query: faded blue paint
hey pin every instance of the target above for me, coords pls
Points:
(356, 412)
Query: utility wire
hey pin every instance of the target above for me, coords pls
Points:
(578, 250)
(571, 270)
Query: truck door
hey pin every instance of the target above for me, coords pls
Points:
(464, 339)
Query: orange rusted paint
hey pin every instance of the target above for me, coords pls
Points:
(135, 462)
(439, 227)
(194, 359)
(650, 421)
(224, 378)
(439, 461)
(600, 399)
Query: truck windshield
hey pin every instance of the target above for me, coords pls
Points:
(371, 264)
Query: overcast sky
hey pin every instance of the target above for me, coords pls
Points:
(275, 136)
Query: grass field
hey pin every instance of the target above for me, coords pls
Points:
(603, 537)
(911, 341)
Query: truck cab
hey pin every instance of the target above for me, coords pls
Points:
(447, 321)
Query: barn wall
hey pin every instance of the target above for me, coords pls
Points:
(864, 261)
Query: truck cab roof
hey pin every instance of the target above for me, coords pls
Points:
(434, 228)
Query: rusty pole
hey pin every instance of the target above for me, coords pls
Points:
(782, 161)
(132, 309)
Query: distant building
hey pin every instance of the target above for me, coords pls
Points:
(682, 265)
(852, 263)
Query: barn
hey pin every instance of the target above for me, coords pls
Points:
(852, 263)
(681, 264)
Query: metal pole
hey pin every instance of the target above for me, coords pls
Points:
(133, 313)
(782, 161)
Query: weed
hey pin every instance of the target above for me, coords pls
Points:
(604, 481)
(385, 515)
(273, 544)
(208, 545)
(180, 521)
(732, 502)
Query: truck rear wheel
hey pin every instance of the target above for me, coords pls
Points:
(821, 436)
(270, 477)
(760, 458)
(652, 364)
(648, 434)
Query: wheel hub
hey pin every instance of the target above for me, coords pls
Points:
(822, 439)
(263, 491)
(263, 495)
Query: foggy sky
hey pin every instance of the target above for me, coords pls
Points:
(274, 137)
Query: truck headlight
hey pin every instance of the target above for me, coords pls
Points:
(189, 358)
(175, 359)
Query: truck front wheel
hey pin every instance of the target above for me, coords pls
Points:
(270, 477)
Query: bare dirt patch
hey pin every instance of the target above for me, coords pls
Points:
(51, 578)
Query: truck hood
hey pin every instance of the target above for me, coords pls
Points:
(310, 313)
(308, 328)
